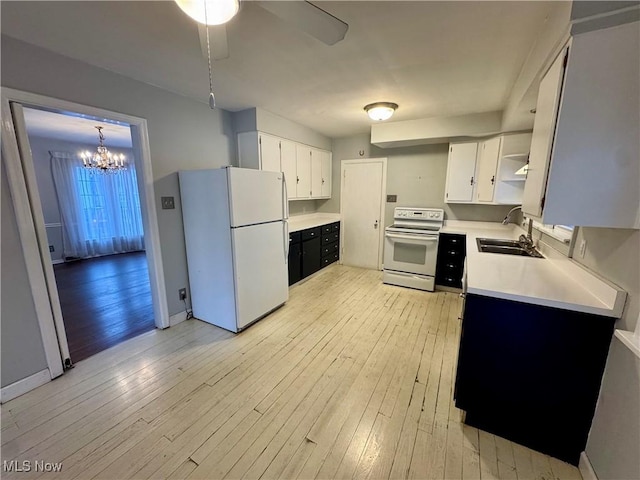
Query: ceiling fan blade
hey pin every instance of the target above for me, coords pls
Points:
(217, 41)
(309, 18)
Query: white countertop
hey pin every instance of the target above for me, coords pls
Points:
(311, 220)
(554, 281)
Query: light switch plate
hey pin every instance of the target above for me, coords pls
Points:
(167, 203)
(392, 198)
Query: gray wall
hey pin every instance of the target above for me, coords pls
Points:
(614, 440)
(183, 133)
(40, 148)
(22, 349)
(416, 175)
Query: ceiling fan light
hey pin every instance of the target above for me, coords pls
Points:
(380, 111)
(217, 11)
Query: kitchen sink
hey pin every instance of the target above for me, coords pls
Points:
(506, 247)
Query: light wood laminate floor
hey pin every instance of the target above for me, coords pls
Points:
(350, 379)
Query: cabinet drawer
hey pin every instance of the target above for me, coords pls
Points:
(332, 237)
(294, 238)
(450, 281)
(330, 249)
(311, 233)
(450, 242)
(335, 227)
(329, 259)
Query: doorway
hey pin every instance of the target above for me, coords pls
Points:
(93, 222)
(363, 187)
(31, 225)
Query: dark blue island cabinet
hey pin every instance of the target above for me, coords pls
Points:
(531, 373)
(313, 249)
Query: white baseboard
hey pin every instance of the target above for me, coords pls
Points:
(586, 470)
(177, 318)
(57, 262)
(25, 385)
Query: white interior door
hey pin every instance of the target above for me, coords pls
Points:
(362, 195)
(261, 274)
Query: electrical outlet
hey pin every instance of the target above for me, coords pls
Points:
(182, 293)
(583, 248)
(167, 203)
(52, 248)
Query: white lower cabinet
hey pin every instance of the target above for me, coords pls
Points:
(307, 170)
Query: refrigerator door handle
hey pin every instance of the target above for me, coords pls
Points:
(285, 226)
(285, 197)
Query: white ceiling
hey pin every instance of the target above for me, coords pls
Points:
(432, 58)
(76, 128)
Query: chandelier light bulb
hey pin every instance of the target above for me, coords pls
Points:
(209, 12)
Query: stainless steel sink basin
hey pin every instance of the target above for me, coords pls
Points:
(506, 247)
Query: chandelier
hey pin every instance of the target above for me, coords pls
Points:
(102, 160)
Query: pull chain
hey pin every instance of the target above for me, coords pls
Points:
(212, 97)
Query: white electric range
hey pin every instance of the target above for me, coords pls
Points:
(411, 247)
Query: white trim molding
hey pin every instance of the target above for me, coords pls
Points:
(32, 227)
(586, 470)
(383, 202)
(177, 318)
(25, 385)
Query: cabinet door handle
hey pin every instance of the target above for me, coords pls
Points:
(471, 183)
(493, 180)
(323, 181)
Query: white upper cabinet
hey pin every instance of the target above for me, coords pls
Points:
(542, 137)
(316, 173)
(303, 171)
(325, 158)
(288, 165)
(307, 170)
(486, 169)
(594, 162)
(461, 172)
(485, 172)
(269, 153)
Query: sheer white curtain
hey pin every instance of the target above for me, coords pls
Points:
(100, 212)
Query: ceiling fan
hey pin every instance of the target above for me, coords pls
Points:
(306, 16)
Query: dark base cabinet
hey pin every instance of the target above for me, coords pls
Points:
(452, 251)
(531, 373)
(313, 249)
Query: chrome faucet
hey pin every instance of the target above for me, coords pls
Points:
(507, 219)
(525, 240)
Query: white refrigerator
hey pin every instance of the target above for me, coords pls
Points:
(237, 241)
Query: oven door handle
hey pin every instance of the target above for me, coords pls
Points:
(416, 238)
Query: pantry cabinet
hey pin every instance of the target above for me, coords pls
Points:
(586, 134)
(306, 169)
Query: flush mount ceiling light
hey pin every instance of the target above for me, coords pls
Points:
(380, 111)
(209, 12)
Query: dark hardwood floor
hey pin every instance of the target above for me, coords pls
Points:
(104, 301)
